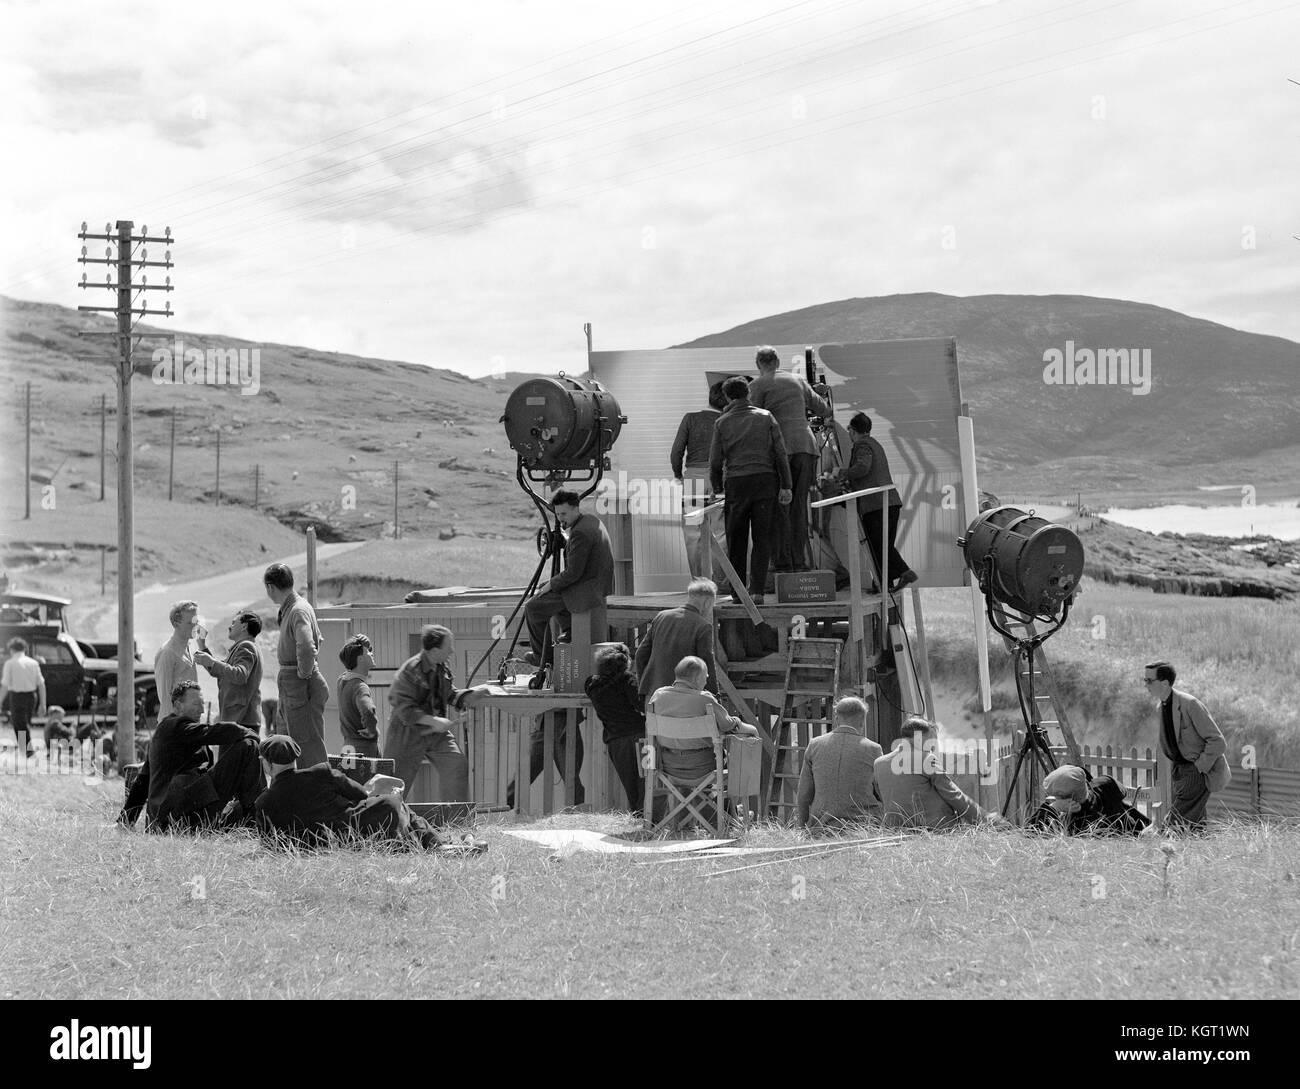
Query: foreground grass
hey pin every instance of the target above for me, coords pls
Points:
(93, 912)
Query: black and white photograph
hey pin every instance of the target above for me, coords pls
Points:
(747, 501)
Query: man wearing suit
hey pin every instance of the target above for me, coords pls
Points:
(585, 582)
(791, 400)
(239, 677)
(838, 780)
(913, 788)
(1193, 744)
(676, 634)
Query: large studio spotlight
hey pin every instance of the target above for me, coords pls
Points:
(562, 425)
(1031, 567)
(1024, 561)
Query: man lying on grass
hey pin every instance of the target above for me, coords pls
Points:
(320, 806)
(179, 786)
(1079, 805)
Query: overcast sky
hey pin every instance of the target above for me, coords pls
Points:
(465, 184)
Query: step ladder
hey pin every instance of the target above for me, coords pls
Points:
(812, 684)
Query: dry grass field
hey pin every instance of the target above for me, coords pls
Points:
(93, 912)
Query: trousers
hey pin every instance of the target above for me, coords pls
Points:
(625, 755)
(236, 776)
(792, 520)
(872, 524)
(409, 746)
(749, 513)
(537, 753)
(1190, 798)
(302, 705)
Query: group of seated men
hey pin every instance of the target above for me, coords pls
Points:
(847, 778)
(180, 787)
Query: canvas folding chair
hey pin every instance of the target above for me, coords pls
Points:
(687, 798)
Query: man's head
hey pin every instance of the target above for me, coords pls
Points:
(278, 581)
(702, 593)
(1159, 678)
(767, 360)
(717, 399)
(692, 671)
(851, 711)
(184, 616)
(245, 625)
(54, 714)
(358, 654)
(860, 424)
(566, 507)
(437, 643)
(735, 389)
(17, 645)
(917, 731)
(187, 700)
(279, 753)
(1066, 788)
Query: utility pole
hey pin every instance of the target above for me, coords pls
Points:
(171, 457)
(27, 477)
(218, 466)
(126, 263)
(396, 531)
(257, 483)
(103, 441)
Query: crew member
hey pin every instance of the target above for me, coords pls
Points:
(687, 698)
(178, 785)
(915, 792)
(239, 677)
(585, 582)
(614, 697)
(690, 464)
(1193, 744)
(791, 400)
(749, 449)
(174, 662)
(303, 691)
(837, 782)
(675, 634)
(422, 698)
(869, 468)
(23, 684)
(1076, 804)
(316, 806)
(358, 717)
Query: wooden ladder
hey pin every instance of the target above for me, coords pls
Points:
(812, 684)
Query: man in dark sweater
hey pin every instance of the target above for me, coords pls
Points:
(869, 468)
(749, 454)
(316, 806)
(358, 717)
(1077, 804)
(621, 709)
(179, 786)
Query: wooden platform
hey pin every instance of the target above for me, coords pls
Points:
(644, 607)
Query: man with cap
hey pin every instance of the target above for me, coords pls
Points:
(1077, 804)
(311, 807)
(239, 677)
(179, 786)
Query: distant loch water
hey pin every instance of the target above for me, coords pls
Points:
(1280, 520)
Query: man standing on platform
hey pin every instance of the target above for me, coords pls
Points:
(423, 699)
(303, 691)
(791, 400)
(1194, 745)
(676, 634)
(749, 453)
(584, 584)
(689, 458)
(869, 468)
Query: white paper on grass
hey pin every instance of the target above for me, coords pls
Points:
(582, 839)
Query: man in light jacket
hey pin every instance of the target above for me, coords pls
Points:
(915, 791)
(303, 691)
(1193, 744)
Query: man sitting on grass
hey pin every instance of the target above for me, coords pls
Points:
(312, 807)
(179, 786)
(915, 792)
(838, 779)
(1079, 805)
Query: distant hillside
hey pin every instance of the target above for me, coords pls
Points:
(1224, 405)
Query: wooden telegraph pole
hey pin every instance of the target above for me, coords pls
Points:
(125, 334)
(171, 457)
(218, 465)
(103, 442)
(27, 477)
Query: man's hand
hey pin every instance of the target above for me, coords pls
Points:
(441, 725)
(203, 658)
(784, 496)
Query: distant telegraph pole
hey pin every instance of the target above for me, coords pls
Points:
(171, 457)
(103, 443)
(218, 466)
(27, 428)
(126, 262)
(257, 483)
(396, 530)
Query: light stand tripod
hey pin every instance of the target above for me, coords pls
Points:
(1026, 645)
